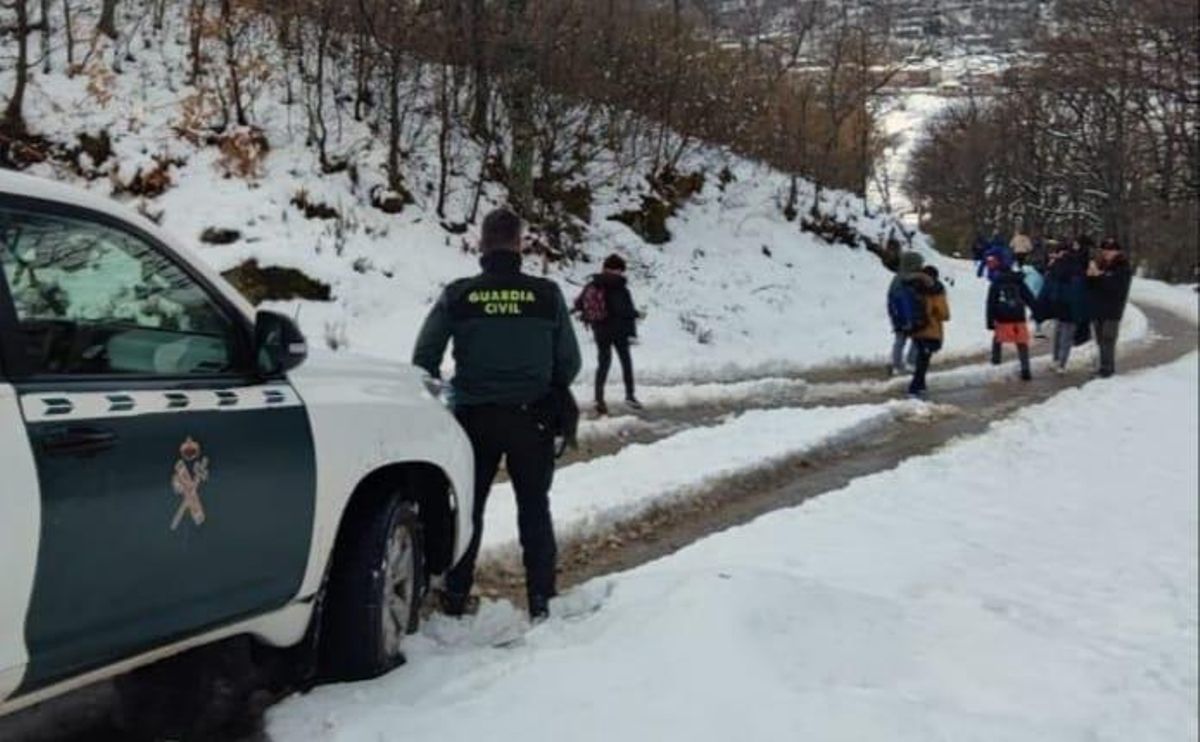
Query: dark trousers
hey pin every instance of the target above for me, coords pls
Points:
(514, 433)
(1106, 338)
(605, 345)
(1022, 354)
(925, 350)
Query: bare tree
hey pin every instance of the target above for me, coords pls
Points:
(108, 19)
(44, 24)
(12, 126)
(69, 32)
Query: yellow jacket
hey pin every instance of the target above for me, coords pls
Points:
(937, 310)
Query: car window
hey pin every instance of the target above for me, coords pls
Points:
(91, 299)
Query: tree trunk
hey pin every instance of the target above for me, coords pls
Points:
(519, 101)
(443, 140)
(196, 38)
(481, 91)
(45, 36)
(394, 175)
(13, 124)
(231, 62)
(69, 29)
(108, 19)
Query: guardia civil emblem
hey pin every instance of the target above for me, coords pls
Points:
(191, 472)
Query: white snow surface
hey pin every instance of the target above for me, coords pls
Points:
(589, 496)
(1035, 583)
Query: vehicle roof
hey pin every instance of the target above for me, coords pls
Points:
(20, 184)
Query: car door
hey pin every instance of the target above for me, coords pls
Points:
(176, 487)
(18, 536)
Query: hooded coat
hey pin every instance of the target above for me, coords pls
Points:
(1064, 292)
(1109, 292)
(909, 272)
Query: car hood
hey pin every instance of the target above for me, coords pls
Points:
(327, 365)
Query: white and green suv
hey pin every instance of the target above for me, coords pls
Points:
(176, 469)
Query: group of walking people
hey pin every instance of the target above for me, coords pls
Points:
(516, 356)
(1083, 288)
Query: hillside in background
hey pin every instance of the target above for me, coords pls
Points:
(731, 287)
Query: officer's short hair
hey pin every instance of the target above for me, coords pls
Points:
(501, 231)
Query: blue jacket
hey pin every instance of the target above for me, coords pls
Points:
(1034, 280)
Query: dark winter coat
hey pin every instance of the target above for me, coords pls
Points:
(909, 272)
(513, 337)
(1064, 295)
(996, 312)
(1039, 256)
(1109, 291)
(621, 320)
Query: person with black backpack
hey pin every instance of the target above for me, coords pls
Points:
(1009, 300)
(906, 310)
(606, 306)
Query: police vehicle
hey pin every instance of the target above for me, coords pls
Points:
(175, 469)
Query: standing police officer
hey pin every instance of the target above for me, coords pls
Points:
(513, 344)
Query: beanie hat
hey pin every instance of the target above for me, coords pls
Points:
(911, 262)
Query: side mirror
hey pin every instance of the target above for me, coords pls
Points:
(279, 346)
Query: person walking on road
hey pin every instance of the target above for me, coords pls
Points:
(928, 339)
(905, 311)
(1108, 281)
(1008, 302)
(514, 347)
(997, 259)
(1064, 299)
(606, 305)
(1021, 247)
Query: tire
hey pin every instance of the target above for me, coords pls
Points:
(374, 593)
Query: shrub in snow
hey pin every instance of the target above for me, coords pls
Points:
(274, 283)
(220, 236)
(242, 152)
(313, 209)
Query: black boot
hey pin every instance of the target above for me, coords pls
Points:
(539, 608)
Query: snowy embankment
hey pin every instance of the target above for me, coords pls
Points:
(595, 494)
(1038, 582)
(739, 292)
(1182, 301)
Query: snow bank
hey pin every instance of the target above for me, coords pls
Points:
(1183, 301)
(592, 495)
(1035, 583)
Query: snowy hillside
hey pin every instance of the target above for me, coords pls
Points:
(738, 291)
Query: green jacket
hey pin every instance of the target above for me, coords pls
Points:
(512, 333)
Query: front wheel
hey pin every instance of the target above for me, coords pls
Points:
(375, 590)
